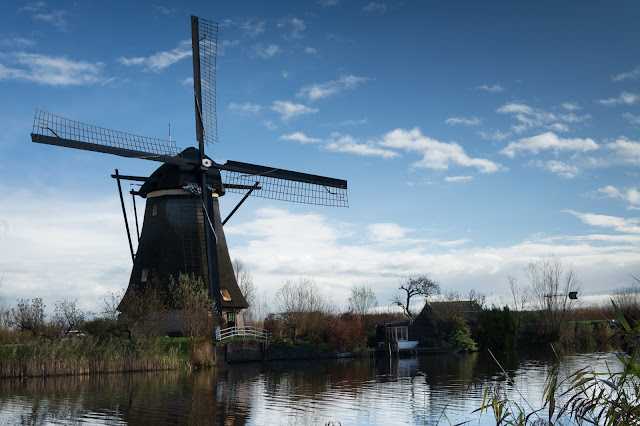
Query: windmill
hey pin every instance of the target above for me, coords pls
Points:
(182, 230)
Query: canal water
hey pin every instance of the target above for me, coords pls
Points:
(431, 389)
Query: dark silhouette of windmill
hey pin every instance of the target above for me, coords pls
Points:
(182, 229)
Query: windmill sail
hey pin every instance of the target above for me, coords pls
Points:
(238, 177)
(55, 130)
(284, 185)
(204, 78)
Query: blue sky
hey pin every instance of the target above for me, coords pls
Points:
(475, 136)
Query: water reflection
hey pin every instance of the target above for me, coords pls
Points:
(426, 390)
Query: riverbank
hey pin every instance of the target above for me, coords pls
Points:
(76, 356)
(88, 356)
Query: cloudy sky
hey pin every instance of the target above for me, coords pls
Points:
(475, 136)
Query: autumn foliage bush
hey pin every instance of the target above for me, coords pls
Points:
(346, 332)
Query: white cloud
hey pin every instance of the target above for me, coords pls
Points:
(387, 232)
(295, 26)
(160, 10)
(626, 151)
(559, 127)
(625, 98)
(633, 74)
(618, 224)
(353, 122)
(317, 91)
(493, 88)
(280, 245)
(55, 18)
(42, 14)
(515, 109)
(160, 60)
(473, 121)
(457, 179)
(79, 250)
(633, 119)
(571, 106)
(630, 195)
(19, 42)
(436, 155)
(245, 107)
(311, 50)
(53, 71)
(343, 143)
(253, 28)
(622, 151)
(348, 144)
(375, 6)
(495, 136)
(528, 117)
(269, 124)
(288, 109)
(572, 118)
(267, 52)
(549, 141)
(35, 6)
(299, 137)
(558, 167)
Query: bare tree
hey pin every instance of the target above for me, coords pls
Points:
(520, 297)
(518, 293)
(550, 284)
(362, 299)
(108, 304)
(67, 316)
(301, 303)
(28, 316)
(248, 289)
(260, 308)
(420, 285)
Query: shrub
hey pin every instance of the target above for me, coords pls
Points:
(345, 332)
(497, 328)
(428, 342)
(102, 328)
(460, 335)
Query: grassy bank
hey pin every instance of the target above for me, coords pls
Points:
(91, 356)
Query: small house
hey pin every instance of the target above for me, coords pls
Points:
(408, 334)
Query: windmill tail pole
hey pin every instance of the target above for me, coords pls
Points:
(240, 203)
(124, 213)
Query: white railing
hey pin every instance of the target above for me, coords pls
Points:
(247, 332)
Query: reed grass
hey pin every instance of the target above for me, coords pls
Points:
(87, 356)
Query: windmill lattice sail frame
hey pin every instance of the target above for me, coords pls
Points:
(274, 183)
(208, 52)
(56, 130)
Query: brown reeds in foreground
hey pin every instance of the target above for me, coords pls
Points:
(86, 356)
